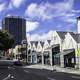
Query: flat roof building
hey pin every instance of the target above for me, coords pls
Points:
(16, 26)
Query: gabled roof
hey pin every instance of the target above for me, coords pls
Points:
(78, 41)
(61, 34)
(42, 43)
(49, 41)
(34, 42)
(76, 37)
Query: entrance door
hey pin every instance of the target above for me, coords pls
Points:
(56, 55)
(34, 59)
(69, 60)
(46, 59)
(39, 59)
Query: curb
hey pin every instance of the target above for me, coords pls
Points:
(58, 69)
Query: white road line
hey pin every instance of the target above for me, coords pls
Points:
(51, 78)
(12, 77)
(7, 77)
(77, 77)
(26, 71)
(11, 67)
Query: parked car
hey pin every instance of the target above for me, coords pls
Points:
(17, 62)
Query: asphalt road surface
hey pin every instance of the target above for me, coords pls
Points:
(18, 73)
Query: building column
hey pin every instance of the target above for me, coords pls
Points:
(51, 63)
(36, 57)
(79, 62)
(77, 58)
(42, 58)
(62, 60)
(31, 56)
(27, 55)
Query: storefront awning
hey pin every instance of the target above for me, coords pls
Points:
(65, 52)
(55, 45)
(46, 52)
(52, 46)
(39, 53)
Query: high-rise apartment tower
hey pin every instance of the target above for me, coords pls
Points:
(15, 26)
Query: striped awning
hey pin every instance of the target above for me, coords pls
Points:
(65, 52)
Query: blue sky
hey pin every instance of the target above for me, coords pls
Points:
(43, 16)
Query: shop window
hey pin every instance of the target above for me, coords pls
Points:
(72, 60)
(29, 51)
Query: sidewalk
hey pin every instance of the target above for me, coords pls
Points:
(57, 68)
(39, 67)
(67, 70)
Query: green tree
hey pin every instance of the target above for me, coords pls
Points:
(6, 40)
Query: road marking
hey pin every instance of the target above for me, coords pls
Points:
(77, 77)
(7, 77)
(51, 78)
(26, 71)
(11, 67)
(12, 77)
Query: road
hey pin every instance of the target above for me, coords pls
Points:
(18, 73)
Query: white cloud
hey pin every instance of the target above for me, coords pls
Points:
(30, 26)
(63, 8)
(16, 3)
(0, 28)
(2, 7)
(71, 20)
(33, 37)
(75, 11)
(10, 6)
(42, 11)
(49, 10)
(0, 24)
(44, 36)
(70, 15)
(8, 15)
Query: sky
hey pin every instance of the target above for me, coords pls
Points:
(43, 16)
